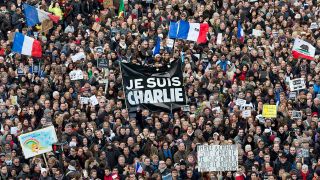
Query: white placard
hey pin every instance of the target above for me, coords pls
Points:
(219, 38)
(240, 102)
(93, 100)
(78, 57)
(297, 84)
(14, 130)
(246, 113)
(76, 75)
(256, 32)
(217, 158)
(170, 43)
(84, 100)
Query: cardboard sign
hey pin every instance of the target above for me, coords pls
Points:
(76, 75)
(219, 38)
(296, 115)
(96, 27)
(93, 100)
(108, 4)
(297, 84)
(269, 111)
(246, 113)
(11, 36)
(46, 25)
(217, 158)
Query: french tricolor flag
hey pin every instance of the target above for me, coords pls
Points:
(189, 31)
(139, 169)
(240, 33)
(26, 45)
(35, 15)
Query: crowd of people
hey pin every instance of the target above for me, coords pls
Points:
(107, 142)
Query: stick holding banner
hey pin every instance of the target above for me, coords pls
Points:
(124, 92)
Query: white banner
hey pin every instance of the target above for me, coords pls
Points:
(217, 158)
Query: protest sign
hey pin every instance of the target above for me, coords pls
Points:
(102, 63)
(14, 130)
(96, 27)
(219, 38)
(296, 115)
(93, 100)
(84, 100)
(240, 102)
(170, 43)
(78, 56)
(11, 36)
(269, 111)
(157, 89)
(292, 95)
(20, 71)
(14, 100)
(217, 158)
(297, 84)
(76, 75)
(108, 4)
(38, 142)
(246, 113)
(46, 25)
(35, 68)
(256, 32)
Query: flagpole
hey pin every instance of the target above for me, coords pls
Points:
(124, 93)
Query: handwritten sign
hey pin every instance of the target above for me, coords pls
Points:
(217, 158)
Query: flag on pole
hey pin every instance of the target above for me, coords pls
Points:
(156, 49)
(189, 31)
(240, 33)
(26, 45)
(121, 9)
(35, 15)
(139, 169)
(303, 49)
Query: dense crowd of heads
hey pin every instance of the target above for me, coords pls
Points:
(105, 141)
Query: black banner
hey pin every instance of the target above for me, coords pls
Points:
(157, 89)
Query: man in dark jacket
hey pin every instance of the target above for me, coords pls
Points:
(17, 19)
(282, 163)
(25, 172)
